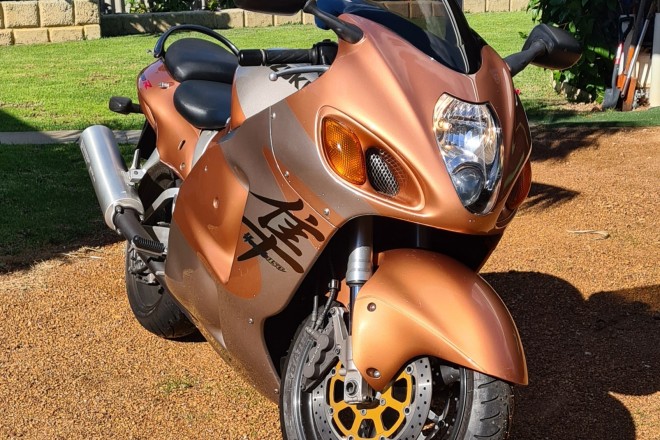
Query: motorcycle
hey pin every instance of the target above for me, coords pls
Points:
(320, 215)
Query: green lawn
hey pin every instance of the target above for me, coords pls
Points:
(67, 86)
(48, 204)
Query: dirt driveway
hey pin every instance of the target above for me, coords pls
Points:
(579, 269)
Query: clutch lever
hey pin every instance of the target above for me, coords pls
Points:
(274, 76)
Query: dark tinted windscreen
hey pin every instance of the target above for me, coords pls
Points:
(437, 28)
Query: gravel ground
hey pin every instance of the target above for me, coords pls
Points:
(74, 363)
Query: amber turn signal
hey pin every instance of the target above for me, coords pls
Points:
(520, 188)
(343, 151)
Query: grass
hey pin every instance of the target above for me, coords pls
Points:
(67, 85)
(172, 385)
(48, 203)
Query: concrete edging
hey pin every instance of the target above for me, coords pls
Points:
(60, 137)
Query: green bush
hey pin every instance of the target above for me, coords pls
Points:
(594, 24)
(140, 6)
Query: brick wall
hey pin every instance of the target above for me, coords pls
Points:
(43, 21)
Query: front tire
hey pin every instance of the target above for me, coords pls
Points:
(428, 399)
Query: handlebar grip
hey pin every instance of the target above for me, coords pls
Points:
(251, 57)
(259, 57)
(289, 56)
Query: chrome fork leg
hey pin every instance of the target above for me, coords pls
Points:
(360, 260)
(360, 269)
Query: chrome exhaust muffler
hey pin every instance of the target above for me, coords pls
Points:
(109, 174)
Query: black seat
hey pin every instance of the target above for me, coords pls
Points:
(205, 104)
(192, 58)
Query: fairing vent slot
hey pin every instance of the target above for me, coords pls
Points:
(385, 174)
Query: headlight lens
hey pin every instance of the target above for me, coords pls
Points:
(469, 138)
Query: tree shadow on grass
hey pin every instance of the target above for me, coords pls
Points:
(48, 205)
(578, 352)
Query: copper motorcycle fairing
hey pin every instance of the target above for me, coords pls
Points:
(420, 303)
(400, 113)
(175, 137)
(208, 245)
(272, 160)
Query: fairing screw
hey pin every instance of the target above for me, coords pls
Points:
(363, 412)
(286, 174)
(216, 203)
(373, 373)
(371, 307)
(382, 402)
(326, 212)
(274, 115)
(250, 321)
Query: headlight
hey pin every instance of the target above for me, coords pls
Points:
(470, 142)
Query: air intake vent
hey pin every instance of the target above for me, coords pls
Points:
(385, 174)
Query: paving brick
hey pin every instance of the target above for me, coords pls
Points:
(162, 21)
(62, 34)
(86, 12)
(289, 19)
(419, 9)
(202, 18)
(6, 37)
(256, 19)
(401, 8)
(30, 36)
(229, 19)
(308, 18)
(497, 5)
(20, 14)
(92, 31)
(57, 13)
(474, 5)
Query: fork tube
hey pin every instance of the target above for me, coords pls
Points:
(360, 261)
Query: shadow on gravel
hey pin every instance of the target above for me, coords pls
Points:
(556, 143)
(578, 352)
(543, 196)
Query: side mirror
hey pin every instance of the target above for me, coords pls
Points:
(547, 47)
(563, 50)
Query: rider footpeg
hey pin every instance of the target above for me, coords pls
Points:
(124, 106)
(148, 246)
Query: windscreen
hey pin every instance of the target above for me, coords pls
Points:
(437, 28)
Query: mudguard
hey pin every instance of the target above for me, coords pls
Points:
(419, 303)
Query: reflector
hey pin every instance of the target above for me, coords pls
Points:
(520, 188)
(343, 151)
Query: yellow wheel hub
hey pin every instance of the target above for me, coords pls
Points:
(383, 419)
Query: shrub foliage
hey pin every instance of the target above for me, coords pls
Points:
(141, 6)
(594, 24)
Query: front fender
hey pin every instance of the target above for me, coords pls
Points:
(420, 303)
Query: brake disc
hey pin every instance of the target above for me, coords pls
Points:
(398, 413)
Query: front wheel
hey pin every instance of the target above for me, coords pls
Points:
(428, 399)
